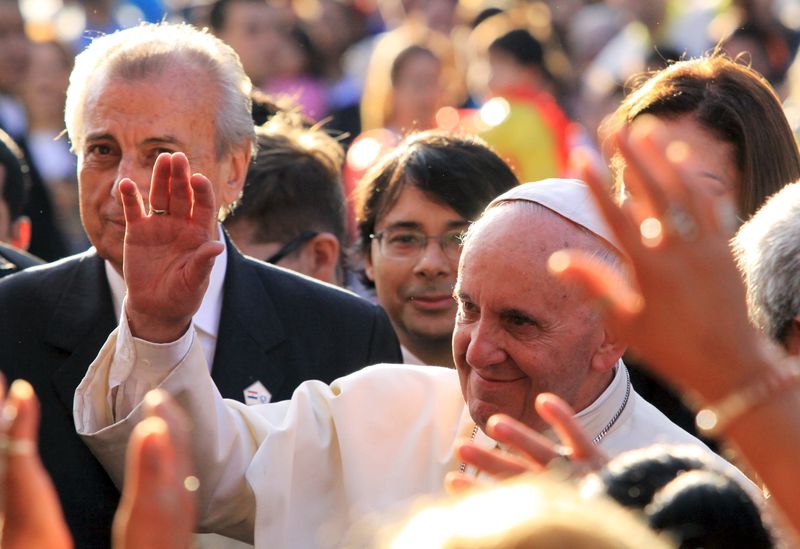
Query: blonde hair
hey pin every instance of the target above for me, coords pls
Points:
(532, 511)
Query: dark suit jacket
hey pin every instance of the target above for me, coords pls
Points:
(13, 260)
(275, 327)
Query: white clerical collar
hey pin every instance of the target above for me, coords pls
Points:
(602, 414)
(207, 317)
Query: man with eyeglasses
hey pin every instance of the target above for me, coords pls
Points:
(292, 211)
(412, 209)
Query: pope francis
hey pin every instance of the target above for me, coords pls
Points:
(297, 473)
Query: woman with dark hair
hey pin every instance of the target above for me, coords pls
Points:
(732, 121)
(737, 142)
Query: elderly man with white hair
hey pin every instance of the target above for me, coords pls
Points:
(767, 250)
(262, 330)
(295, 474)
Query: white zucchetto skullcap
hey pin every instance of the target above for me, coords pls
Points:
(569, 198)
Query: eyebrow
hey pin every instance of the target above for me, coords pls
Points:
(168, 139)
(507, 313)
(98, 136)
(714, 176)
(160, 140)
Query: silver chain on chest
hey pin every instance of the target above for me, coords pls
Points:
(603, 432)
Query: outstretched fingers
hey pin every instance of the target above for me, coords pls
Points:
(456, 482)
(157, 508)
(201, 263)
(561, 418)
(33, 516)
(180, 196)
(622, 225)
(495, 462)
(521, 439)
(619, 302)
(160, 184)
(132, 202)
(204, 209)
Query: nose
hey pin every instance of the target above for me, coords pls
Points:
(484, 346)
(432, 262)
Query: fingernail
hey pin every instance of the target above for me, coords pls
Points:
(644, 126)
(558, 262)
(545, 400)
(677, 151)
(21, 389)
(152, 431)
(153, 399)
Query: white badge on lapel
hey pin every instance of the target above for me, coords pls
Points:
(256, 394)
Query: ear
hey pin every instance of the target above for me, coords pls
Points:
(369, 270)
(21, 232)
(609, 352)
(323, 260)
(238, 162)
(792, 339)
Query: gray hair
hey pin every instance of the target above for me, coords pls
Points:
(149, 49)
(767, 250)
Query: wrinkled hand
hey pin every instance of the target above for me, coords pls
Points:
(685, 308)
(526, 449)
(158, 508)
(167, 258)
(33, 517)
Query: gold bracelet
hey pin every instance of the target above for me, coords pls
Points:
(714, 419)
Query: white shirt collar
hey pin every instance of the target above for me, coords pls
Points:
(598, 414)
(207, 317)
(409, 357)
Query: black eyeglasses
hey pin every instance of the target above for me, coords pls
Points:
(291, 246)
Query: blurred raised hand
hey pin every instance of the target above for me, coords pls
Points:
(32, 517)
(157, 509)
(170, 250)
(683, 305)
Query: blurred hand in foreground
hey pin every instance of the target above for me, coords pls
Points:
(157, 508)
(32, 512)
(525, 450)
(684, 305)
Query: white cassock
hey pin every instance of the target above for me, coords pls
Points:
(297, 473)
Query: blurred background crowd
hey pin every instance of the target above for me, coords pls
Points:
(533, 79)
(339, 86)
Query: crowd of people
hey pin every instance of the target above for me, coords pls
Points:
(279, 273)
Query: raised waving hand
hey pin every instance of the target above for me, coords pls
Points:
(170, 250)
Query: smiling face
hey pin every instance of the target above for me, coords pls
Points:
(126, 125)
(417, 291)
(519, 332)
